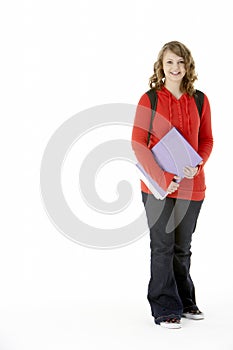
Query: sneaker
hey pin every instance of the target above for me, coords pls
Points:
(193, 314)
(169, 322)
(172, 324)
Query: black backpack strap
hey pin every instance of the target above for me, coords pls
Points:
(153, 102)
(199, 99)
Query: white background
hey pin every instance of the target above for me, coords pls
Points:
(59, 58)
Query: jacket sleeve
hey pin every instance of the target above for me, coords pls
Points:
(205, 137)
(139, 144)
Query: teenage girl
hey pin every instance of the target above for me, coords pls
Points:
(172, 221)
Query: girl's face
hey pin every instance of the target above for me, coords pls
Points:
(173, 67)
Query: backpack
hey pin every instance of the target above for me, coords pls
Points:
(198, 96)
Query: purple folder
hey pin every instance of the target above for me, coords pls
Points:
(172, 153)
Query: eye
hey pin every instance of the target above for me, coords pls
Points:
(181, 62)
(169, 62)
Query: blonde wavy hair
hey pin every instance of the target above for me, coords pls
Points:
(157, 79)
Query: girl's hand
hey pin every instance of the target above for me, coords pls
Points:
(190, 172)
(173, 185)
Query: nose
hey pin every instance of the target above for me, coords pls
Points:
(175, 65)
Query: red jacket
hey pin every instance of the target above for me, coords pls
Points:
(181, 113)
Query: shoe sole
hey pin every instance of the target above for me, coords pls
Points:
(170, 325)
(193, 316)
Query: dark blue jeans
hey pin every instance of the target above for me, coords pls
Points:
(171, 223)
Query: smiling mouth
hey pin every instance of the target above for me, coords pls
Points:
(175, 73)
